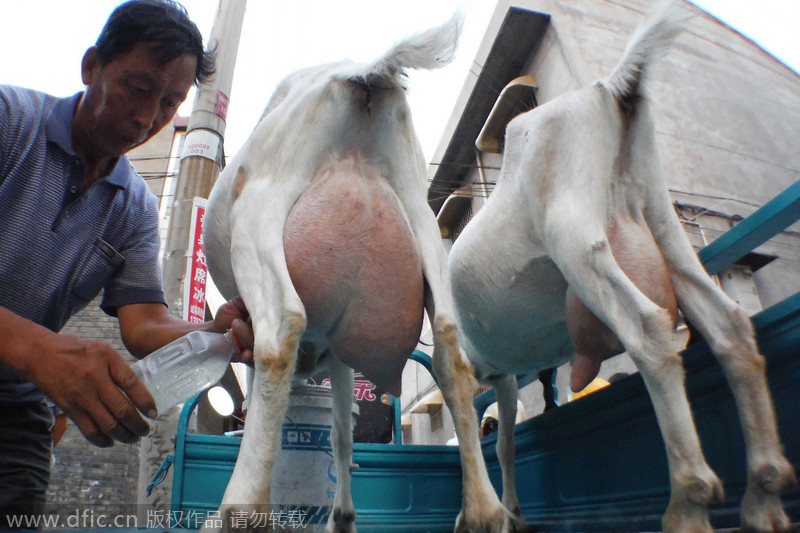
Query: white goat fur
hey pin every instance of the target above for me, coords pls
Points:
(573, 167)
(315, 116)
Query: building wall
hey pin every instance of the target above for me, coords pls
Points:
(158, 162)
(152, 159)
(726, 111)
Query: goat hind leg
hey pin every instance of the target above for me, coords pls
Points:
(279, 321)
(343, 515)
(646, 332)
(481, 510)
(506, 389)
(246, 502)
(730, 335)
(731, 338)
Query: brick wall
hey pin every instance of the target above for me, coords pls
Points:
(84, 475)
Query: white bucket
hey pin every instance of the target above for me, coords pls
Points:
(304, 476)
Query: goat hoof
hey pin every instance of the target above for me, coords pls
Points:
(694, 522)
(762, 509)
(492, 522)
(341, 521)
(687, 509)
(515, 523)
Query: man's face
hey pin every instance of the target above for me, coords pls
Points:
(128, 100)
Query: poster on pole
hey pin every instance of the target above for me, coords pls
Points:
(194, 285)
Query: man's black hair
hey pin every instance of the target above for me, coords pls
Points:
(165, 24)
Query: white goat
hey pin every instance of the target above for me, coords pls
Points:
(321, 224)
(588, 231)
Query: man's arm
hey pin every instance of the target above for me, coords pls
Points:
(146, 327)
(89, 380)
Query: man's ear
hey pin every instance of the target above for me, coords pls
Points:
(89, 65)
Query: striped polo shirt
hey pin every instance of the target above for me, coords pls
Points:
(60, 246)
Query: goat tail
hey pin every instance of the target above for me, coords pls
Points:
(661, 25)
(433, 48)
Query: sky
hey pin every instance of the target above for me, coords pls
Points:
(42, 43)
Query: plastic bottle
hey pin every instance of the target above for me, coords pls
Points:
(186, 366)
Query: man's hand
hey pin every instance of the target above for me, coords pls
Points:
(96, 388)
(233, 315)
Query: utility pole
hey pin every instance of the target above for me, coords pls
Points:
(202, 158)
(201, 162)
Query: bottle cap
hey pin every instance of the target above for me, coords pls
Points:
(236, 340)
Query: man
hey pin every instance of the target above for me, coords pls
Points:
(76, 219)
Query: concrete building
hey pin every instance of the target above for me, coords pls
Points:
(727, 116)
(157, 162)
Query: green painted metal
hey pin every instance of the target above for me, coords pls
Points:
(426, 361)
(772, 218)
(177, 503)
